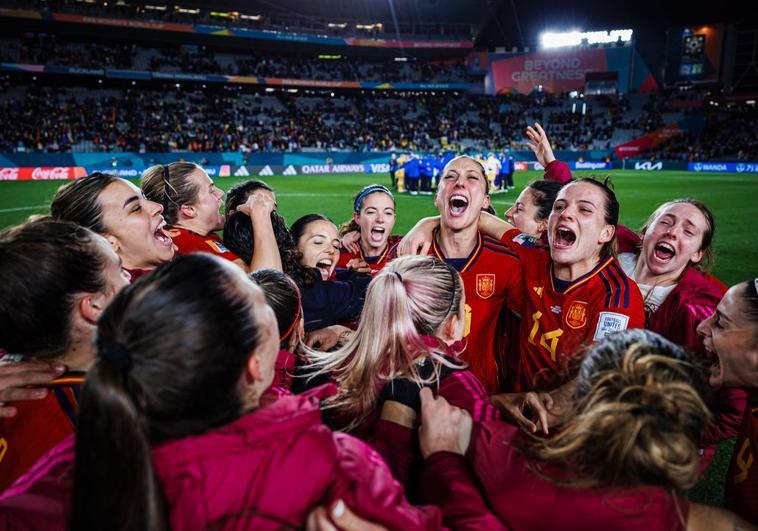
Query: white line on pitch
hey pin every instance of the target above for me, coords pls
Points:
(18, 209)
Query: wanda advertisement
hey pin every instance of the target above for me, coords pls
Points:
(556, 71)
(52, 173)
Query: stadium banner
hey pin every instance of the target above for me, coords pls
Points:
(134, 172)
(222, 31)
(649, 165)
(42, 173)
(564, 70)
(144, 75)
(636, 146)
(727, 167)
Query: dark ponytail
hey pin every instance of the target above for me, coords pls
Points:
(172, 348)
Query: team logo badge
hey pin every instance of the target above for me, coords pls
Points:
(576, 316)
(485, 285)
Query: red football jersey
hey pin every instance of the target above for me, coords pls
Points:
(188, 242)
(742, 478)
(557, 323)
(375, 263)
(491, 279)
(38, 426)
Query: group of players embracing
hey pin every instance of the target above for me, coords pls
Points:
(550, 370)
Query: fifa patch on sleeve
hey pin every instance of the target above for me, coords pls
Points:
(217, 247)
(610, 322)
(526, 240)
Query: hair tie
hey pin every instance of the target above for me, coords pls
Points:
(295, 320)
(366, 191)
(117, 355)
(453, 274)
(398, 276)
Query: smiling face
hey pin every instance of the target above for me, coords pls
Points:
(376, 220)
(674, 239)
(134, 226)
(207, 204)
(320, 246)
(732, 338)
(577, 229)
(461, 195)
(523, 214)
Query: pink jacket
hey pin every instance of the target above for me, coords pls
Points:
(267, 470)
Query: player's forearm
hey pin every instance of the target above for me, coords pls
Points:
(493, 225)
(265, 250)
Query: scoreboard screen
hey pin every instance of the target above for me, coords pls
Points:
(694, 55)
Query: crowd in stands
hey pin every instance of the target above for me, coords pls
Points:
(223, 118)
(47, 49)
(286, 21)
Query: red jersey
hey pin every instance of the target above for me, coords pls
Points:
(188, 242)
(558, 320)
(375, 263)
(38, 426)
(492, 279)
(742, 478)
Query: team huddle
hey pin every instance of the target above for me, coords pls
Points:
(550, 370)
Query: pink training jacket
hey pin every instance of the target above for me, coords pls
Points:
(267, 470)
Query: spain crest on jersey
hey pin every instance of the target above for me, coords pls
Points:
(485, 285)
(576, 316)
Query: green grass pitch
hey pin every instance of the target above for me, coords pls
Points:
(733, 198)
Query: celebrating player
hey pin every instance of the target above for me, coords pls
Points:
(625, 458)
(407, 338)
(731, 336)
(328, 299)
(117, 210)
(373, 219)
(491, 271)
(191, 204)
(50, 316)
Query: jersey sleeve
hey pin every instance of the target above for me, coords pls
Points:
(558, 171)
(617, 307)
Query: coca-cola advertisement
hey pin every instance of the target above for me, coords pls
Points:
(53, 173)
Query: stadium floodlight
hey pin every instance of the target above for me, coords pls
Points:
(550, 39)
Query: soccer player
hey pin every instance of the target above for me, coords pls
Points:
(730, 336)
(492, 164)
(412, 171)
(625, 458)
(374, 217)
(491, 271)
(191, 206)
(117, 210)
(329, 297)
(58, 278)
(393, 169)
(407, 338)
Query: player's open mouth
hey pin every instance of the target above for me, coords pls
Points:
(715, 376)
(564, 238)
(325, 266)
(664, 252)
(162, 236)
(457, 205)
(377, 234)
